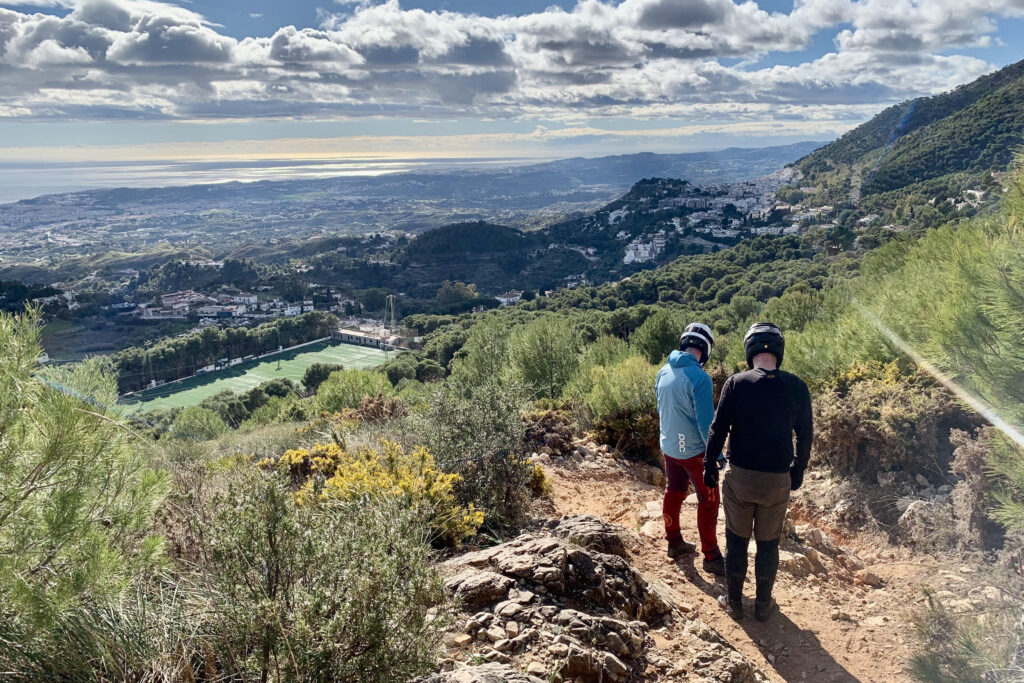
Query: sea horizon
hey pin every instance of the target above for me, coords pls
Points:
(21, 180)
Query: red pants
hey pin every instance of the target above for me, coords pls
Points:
(680, 475)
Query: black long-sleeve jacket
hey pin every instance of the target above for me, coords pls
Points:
(759, 410)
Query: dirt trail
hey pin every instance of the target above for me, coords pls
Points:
(828, 628)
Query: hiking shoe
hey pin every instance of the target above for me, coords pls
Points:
(762, 611)
(734, 610)
(715, 566)
(680, 548)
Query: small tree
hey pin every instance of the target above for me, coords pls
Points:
(316, 374)
(544, 354)
(484, 356)
(658, 336)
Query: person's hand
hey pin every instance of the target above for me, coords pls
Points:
(710, 475)
(796, 479)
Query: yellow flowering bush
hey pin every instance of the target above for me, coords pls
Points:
(539, 484)
(328, 471)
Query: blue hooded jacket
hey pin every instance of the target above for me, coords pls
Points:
(685, 406)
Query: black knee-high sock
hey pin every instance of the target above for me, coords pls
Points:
(735, 565)
(766, 566)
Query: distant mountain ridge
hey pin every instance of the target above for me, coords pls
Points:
(976, 127)
(612, 173)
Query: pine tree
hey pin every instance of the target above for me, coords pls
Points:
(76, 501)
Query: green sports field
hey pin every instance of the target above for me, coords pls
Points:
(290, 364)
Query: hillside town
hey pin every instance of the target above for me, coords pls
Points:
(722, 213)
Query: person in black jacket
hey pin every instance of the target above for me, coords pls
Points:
(759, 410)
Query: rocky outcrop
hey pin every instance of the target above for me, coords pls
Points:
(485, 673)
(564, 598)
(564, 559)
(589, 532)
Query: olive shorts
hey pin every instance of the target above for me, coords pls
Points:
(755, 502)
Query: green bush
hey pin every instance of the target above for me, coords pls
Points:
(658, 335)
(346, 389)
(478, 432)
(483, 358)
(878, 419)
(77, 498)
(543, 355)
(289, 408)
(316, 374)
(196, 422)
(399, 368)
(606, 350)
(341, 591)
(625, 408)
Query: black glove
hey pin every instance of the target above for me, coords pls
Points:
(796, 479)
(710, 475)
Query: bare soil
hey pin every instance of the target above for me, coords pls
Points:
(828, 628)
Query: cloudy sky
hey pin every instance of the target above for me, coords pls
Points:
(113, 80)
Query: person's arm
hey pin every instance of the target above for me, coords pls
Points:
(720, 426)
(703, 407)
(804, 428)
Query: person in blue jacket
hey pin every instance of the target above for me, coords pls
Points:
(685, 410)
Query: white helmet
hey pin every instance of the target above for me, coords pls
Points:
(700, 336)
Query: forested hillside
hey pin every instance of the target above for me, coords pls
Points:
(974, 128)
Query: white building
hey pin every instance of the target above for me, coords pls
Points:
(509, 298)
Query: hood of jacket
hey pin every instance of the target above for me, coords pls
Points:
(681, 359)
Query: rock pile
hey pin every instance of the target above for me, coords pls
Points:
(549, 432)
(564, 600)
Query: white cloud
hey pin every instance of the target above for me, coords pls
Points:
(638, 58)
(51, 53)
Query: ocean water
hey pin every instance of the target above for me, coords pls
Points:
(24, 180)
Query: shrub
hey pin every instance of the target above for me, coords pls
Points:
(625, 408)
(76, 502)
(196, 422)
(658, 335)
(878, 420)
(327, 471)
(973, 459)
(548, 431)
(794, 309)
(346, 389)
(483, 359)
(229, 405)
(401, 367)
(380, 409)
(606, 350)
(278, 387)
(627, 384)
(543, 355)
(342, 590)
(539, 484)
(477, 432)
(969, 648)
(1006, 462)
(277, 409)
